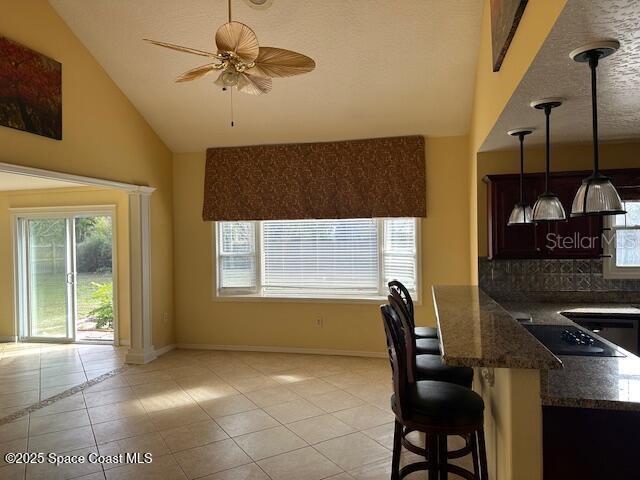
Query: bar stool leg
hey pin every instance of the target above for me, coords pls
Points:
(482, 451)
(397, 450)
(432, 456)
(473, 441)
(442, 456)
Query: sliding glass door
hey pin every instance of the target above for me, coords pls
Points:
(65, 276)
(49, 278)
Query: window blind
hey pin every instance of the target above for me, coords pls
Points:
(237, 255)
(627, 236)
(315, 258)
(320, 255)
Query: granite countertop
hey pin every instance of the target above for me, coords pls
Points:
(475, 331)
(588, 382)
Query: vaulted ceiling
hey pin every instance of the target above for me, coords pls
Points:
(384, 67)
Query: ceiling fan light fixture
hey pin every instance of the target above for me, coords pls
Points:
(229, 79)
(596, 195)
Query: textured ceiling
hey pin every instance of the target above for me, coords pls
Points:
(554, 74)
(13, 181)
(384, 67)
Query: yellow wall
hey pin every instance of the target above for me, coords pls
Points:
(347, 326)
(494, 89)
(563, 158)
(59, 198)
(103, 136)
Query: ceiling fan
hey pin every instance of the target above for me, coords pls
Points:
(242, 63)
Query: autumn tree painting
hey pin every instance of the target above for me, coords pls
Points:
(30, 90)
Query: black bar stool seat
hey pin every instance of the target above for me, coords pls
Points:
(431, 367)
(426, 332)
(427, 346)
(438, 409)
(442, 405)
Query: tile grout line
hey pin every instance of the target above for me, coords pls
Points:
(62, 395)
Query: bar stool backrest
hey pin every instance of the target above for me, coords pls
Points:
(405, 329)
(397, 358)
(397, 288)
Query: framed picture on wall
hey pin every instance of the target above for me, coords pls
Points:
(505, 17)
(30, 90)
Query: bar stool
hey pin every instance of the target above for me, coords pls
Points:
(438, 409)
(428, 367)
(397, 288)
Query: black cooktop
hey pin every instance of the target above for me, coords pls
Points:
(570, 340)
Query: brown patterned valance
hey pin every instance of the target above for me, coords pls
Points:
(382, 177)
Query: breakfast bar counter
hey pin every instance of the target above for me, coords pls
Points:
(475, 331)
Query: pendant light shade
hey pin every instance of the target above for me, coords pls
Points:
(521, 213)
(548, 207)
(596, 195)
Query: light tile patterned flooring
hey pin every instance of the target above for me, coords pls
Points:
(202, 414)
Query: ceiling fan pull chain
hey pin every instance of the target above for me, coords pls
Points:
(231, 93)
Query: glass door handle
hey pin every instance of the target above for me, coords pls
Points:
(71, 278)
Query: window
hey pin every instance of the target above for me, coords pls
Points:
(352, 258)
(622, 246)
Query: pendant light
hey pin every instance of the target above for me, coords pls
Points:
(521, 213)
(548, 207)
(596, 195)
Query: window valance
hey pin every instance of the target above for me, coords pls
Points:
(382, 177)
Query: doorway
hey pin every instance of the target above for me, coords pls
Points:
(65, 259)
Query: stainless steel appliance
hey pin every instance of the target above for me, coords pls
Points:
(571, 340)
(621, 331)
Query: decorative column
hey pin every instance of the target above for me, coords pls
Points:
(141, 350)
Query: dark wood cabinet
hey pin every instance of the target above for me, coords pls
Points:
(576, 238)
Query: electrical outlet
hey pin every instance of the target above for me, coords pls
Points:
(319, 321)
(165, 317)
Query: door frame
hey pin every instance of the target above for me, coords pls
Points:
(21, 294)
(141, 348)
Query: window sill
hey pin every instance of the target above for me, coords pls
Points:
(299, 299)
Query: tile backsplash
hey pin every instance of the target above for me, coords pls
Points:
(526, 277)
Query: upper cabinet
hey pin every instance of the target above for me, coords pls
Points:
(576, 238)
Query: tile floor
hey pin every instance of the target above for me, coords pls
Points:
(201, 414)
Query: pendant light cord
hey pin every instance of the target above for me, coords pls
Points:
(547, 113)
(521, 168)
(593, 64)
(229, 4)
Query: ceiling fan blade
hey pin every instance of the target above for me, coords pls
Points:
(236, 37)
(196, 73)
(278, 62)
(254, 85)
(180, 48)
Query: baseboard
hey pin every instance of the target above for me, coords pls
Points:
(257, 348)
(124, 343)
(165, 349)
(8, 338)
